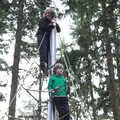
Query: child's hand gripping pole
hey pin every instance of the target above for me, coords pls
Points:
(54, 90)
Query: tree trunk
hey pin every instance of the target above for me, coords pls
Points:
(94, 112)
(113, 85)
(15, 68)
(40, 99)
(93, 102)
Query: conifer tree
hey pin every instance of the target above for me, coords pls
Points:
(26, 15)
(96, 31)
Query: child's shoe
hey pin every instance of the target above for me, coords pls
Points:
(43, 67)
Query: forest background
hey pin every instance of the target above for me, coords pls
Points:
(93, 59)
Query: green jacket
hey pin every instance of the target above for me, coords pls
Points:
(59, 82)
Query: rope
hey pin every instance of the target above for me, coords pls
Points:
(68, 68)
(30, 94)
(35, 90)
(67, 63)
(19, 88)
(42, 40)
(28, 70)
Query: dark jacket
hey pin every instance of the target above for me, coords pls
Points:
(46, 26)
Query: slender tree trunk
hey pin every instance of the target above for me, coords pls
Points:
(113, 84)
(93, 102)
(15, 68)
(94, 112)
(40, 99)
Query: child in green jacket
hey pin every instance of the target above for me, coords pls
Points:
(58, 88)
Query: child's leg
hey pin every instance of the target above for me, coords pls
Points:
(62, 106)
(66, 109)
(43, 52)
(43, 47)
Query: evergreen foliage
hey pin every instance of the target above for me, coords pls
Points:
(3, 29)
(20, 18)
(96, 31)
(94, 66)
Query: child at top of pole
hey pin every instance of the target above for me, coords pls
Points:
(46, 24)
(58, 87)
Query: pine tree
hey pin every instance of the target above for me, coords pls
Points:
(26, 15)
(96, 31)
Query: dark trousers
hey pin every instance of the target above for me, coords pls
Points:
(62, 106)
(44, 47)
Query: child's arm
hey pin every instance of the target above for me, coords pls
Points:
(68, 84)
(55, 24)
(50, 84)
